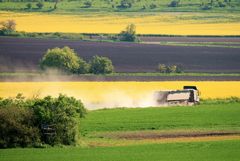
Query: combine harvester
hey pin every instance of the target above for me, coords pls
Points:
(189, 95)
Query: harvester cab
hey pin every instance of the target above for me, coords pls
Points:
(189, 95)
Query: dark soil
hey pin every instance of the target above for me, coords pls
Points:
(159, 135)
(23, 54)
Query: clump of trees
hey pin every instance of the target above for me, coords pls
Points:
(66, 60)
(129, 34)
(87, 4)
(40, 5)
(212, 4)
(174, 3)
(125, 4)
(152, 6)
(162, 68)
(7, 27)
(36, 122)
(29, 5)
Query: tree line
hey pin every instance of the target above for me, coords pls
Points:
(127, 4)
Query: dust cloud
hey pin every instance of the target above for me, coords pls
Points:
(121, 99)
(93, 94)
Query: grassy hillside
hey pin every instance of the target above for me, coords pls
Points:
(125, 6)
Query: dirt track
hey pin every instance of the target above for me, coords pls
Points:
(22, 54)
(155, 135)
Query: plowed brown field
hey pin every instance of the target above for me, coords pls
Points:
(24, 54)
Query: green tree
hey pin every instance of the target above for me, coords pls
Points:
(29, 5)
(171, 69)
(64, 59)
(8, 25)
(174, 3)
(125, 4)
(87, 4)
(39, 5)
(83, 67)
(162, 68)
(152, 6)
(56, 3)
(179, 69)
(61, 115)
(129, 34)
(101, 65)
(17, 127)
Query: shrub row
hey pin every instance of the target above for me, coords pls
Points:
(36, 122)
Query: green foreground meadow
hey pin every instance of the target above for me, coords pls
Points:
(100, 129)
(198, 151)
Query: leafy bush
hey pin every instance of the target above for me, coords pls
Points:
(17, 127)
(29, 5)
(129, 34)
(152, 6)
(87, 4)
(206, 7)
(144, 7)
(113, 37)
(221, 4)
(61, 115)
(64, 59)
(171, 69)
(125, 4)
(179, 69)
(174, 3)
(162, 68)
(28, 122)
(39, 5)
(101, 65)
(83, 67)
(7, 27)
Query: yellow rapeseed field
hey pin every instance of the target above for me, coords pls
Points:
(148, 23)
(95, 94)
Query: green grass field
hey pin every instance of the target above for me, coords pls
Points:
(205, 44)
(113, 6)
(210, 116)
(199, 151)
